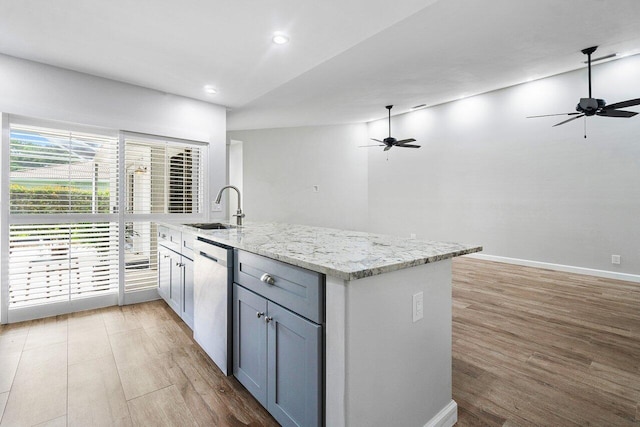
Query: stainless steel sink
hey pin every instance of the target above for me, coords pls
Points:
(210, 225)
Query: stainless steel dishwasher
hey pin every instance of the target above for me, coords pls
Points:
(213, 287)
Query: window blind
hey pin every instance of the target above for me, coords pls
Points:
(61, 262)
(54, 173)
(163, 177)
(140, 257)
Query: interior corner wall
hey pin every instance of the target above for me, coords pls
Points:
(521, 188)
(42, 91)
(282, 166)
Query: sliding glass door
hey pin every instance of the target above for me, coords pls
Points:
(164, 181)
(80, 212)
(62, 220)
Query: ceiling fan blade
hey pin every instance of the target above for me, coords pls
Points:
(567, 121)
(387, 148)
(409, 146)
(404, 141)
(623, 104)
(374, 145)
(616, 113)
(549, 115)
(377, 140)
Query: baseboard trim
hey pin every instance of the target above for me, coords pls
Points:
(447, 417)
(560, 267)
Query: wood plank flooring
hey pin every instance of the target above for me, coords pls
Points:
(531, 347)
(535, 347)
(120, 366)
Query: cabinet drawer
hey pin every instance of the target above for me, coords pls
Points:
(169, 238)
(297, 289)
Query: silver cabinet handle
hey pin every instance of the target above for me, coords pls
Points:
(268, 319)
(268, 279)
(179, 264)
(165, 256)
(259, 314)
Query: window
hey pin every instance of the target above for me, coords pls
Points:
(80, 235)
(63, 223)
(163, 177)
(56, 171)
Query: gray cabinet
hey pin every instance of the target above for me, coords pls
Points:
(278, 358)
(175, 271)
(294, 370)
(250, 342)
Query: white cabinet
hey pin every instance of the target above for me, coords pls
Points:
(175, 271)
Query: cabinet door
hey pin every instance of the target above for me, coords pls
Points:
(175, 286)
(164, 272)
(187, 295)
(250, 342)
(294, 372)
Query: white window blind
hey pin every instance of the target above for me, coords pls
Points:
(163, 176)
(54, 173)
(140, 257)
(61, 262)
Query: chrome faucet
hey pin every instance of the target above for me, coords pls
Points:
(239, 215)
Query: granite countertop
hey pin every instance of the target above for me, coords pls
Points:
(348, 255)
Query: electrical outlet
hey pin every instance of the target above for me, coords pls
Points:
(216, 207)
(615, 259)
(418, 306)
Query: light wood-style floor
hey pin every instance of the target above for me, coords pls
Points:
(531, 347)
(120, 366)
(535, 347)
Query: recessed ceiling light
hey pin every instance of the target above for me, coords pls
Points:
(210, 90)
(280, 38)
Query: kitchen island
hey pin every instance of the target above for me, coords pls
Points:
(387, 320)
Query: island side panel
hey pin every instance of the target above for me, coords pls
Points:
(395, 371)
(335, 328)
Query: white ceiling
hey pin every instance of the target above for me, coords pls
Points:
(346, 60)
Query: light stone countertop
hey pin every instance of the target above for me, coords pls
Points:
(348, 255)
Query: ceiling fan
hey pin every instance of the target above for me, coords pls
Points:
(389, 142)
(592, 106)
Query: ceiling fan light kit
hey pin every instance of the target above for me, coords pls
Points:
(595, 107)
(390, 141)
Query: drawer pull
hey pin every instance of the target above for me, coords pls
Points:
(268, 279)
(268, 319)
(259, 314)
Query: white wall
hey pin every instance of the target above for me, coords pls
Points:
(281, 166)
(485, 174)
(520, 187)
(41, 91)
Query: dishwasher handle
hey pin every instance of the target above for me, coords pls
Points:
(213, 253)
(210, 257)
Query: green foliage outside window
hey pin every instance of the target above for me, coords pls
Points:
(56, 199)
